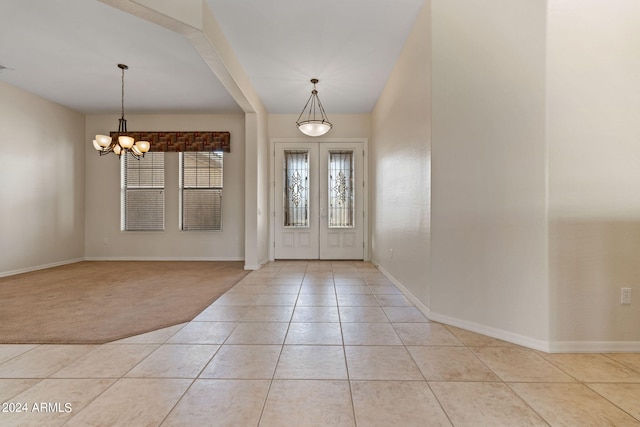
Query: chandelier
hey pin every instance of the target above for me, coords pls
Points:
(313, 126)
(123, 143)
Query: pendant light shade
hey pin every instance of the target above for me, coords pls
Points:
(314, 127)
(313, 119)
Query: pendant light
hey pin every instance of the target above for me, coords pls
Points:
(313, 125)
(104, 144)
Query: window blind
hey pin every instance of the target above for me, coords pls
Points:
(201, 182)
(142, 193)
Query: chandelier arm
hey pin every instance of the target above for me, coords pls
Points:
(134, 155)
(322, 112)
(106, 150)
(304, 108)
(314, 103)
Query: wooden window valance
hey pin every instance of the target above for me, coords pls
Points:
(183, 141)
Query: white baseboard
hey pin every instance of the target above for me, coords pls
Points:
(39, 267)
(163, 259)
(594, 347)
(256, 266)
(465, 324)
(492, 332)
(419, 305)
(545, 346)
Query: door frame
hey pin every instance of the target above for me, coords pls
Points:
(272, 185)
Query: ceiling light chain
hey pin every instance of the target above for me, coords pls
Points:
(313, 126)
(123, 67)
(105, 144)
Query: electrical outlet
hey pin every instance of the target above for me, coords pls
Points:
(625, 296)
(106, 240)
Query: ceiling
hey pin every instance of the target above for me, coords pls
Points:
(67, 51)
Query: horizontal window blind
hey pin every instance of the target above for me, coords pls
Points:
(201, 175)
(142, 193)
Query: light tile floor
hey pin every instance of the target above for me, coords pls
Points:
(314, 344)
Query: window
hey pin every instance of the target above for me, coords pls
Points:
(142, 192)
(296, 189)
(201, 190)
(341, 191)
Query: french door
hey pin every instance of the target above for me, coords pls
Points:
(319, 200)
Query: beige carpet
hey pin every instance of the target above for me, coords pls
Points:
(98, 301)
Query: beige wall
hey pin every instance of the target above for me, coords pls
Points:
(42, 174)
(344, 126)
(103, 196)
(283, 126)
(400, 166)
(489, 226)
(594, 172)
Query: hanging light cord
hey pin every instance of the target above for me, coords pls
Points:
(123, 68)
(122, 123)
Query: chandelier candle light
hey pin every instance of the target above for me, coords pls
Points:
(105, 144)
(314, 126)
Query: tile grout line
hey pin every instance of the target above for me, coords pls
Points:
(435, 396)
(275, 368)
(346, 363)
(586, 384)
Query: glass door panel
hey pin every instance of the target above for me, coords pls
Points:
(296, 188)
(296, 224)
(342, 201)
(341, 191)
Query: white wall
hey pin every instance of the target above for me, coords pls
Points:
(489, 226)
(103, 196)
(264, 178)
(256, 192)
(594, 172)
(400, 166)
(42, 175)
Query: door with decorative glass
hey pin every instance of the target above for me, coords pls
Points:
(319, 201)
